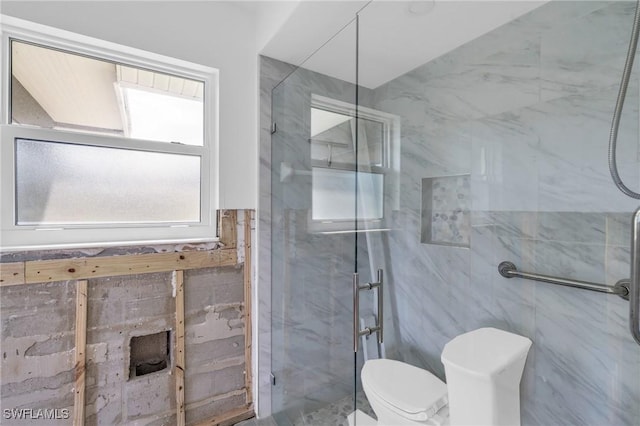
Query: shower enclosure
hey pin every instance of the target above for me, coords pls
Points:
(435, 156)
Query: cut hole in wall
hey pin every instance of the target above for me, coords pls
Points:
(149, 354)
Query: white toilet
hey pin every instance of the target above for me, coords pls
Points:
(483, 370)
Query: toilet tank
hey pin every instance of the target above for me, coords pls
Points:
(483, 369)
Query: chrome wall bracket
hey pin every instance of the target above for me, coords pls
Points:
(379, 327)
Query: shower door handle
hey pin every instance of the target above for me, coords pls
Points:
(634, 286)
(379, 327)
(380, 307)
(356, 311)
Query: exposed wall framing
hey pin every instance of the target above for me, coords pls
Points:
(230, 418)
(42, 271)
(247, 304)
(102, 269)
(178, 277)
(228, 220)
(80, 353)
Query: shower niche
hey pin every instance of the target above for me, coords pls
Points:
(445, 214)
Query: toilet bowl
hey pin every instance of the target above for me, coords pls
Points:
(396, 390)
(483, 370)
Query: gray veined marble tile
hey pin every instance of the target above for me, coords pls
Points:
(517, 224)
(525, 109)
(618, 228)
(587, 383)
(505, 165)
(572, 226)
(586, 53)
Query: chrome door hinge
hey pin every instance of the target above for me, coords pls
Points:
(274, 128)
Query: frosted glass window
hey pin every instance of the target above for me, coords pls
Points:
(334, 195)
(56, 89)
(61, 184)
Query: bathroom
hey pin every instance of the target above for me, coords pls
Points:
(431, 140)
(512, 127)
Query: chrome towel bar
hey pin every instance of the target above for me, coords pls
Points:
(509, 270)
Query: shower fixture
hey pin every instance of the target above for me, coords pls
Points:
(634, 287)
(615, 123)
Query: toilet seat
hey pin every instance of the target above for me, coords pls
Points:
(410, 392)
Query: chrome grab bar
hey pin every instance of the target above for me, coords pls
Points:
(379, 327)
(509, 270)
(627, 289)
(634, 287)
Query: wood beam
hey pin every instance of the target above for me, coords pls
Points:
(11, 273)
(247, 306)
(228, 228)
(41, 271)
(80, 353)
(230, 417)
(179, 350)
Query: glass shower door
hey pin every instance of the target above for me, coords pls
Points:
(313, 244)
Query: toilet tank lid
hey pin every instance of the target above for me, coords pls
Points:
(410, 391)
(486, 351)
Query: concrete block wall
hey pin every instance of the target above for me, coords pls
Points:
(37, 347)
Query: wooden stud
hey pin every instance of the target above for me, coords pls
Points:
(40, 271)
(32, 272)
(80, 352)
(11, 273)
(247, 306)
(230, 417)
(228, 223)
(179, 350)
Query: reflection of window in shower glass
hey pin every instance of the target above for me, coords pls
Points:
(333, 196)
(333, 139)
(335, 159)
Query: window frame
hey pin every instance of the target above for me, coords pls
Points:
(388, 169)
(15, 237)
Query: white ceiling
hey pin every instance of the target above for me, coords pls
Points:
(394, 36)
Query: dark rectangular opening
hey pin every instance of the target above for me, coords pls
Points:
(149, 354)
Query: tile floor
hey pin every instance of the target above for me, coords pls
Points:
(331, 415)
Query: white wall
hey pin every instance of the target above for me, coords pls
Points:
(216, 34)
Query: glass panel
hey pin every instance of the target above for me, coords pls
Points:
(333, 197)
(332, 139)
(61, 90)
(312, 355)
(62, 184)
(505, 113)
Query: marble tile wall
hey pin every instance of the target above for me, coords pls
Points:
(526, 109)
